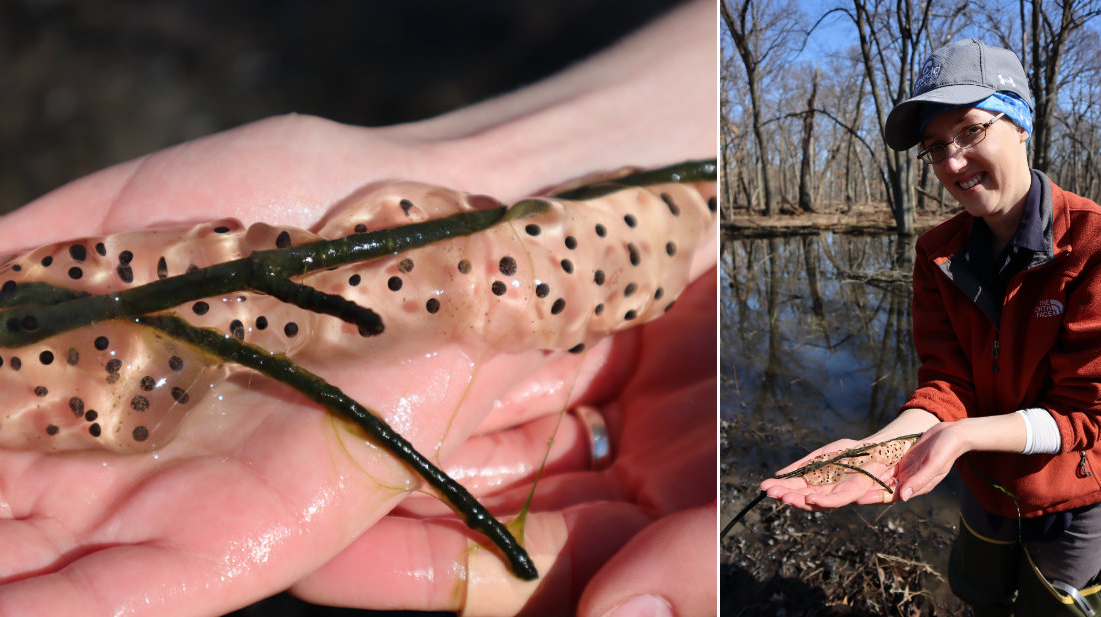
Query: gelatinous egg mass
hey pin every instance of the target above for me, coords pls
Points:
(117, 386)
(886, 453)
(555, 274)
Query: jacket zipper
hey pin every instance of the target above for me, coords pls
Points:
(1083, 467)
(1013, 282)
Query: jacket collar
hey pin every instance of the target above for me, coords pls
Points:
(1045, 231)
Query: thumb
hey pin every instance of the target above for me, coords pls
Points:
(432, 565)
(667, 569)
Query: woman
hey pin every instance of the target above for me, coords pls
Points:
(1007, 324)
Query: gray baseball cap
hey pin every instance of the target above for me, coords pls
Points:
(956, 74)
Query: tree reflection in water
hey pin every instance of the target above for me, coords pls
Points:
(816, 345)
(816, 333)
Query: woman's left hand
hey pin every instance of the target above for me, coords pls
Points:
(635, 533)
(931, 458)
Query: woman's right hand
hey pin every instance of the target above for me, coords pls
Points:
(853, 487)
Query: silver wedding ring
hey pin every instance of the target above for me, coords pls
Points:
(600, 445)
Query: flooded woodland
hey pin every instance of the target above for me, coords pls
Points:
(816, 346)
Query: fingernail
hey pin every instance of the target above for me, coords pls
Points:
(907, 493)
(642, 606)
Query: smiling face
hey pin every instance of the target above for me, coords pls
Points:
(990, 179)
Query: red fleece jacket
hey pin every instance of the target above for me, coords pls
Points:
(1045, 352)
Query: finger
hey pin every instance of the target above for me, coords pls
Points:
(429, 565)
(156, 552)
(147, 579)
(503, 459)
(796, 498)
(837, 446)
(667, 565)
(667, 448)
(31, 545)
(794, 491)
(778, 486)
(499, 469)
(596, 374)
(801, 462)
(921, 465)
(921, 470)
(849, 491)
(878, 496)
(397, 563)
(919, 486)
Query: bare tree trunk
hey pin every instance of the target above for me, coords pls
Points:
(745, 191)
(850, 143)
(806, 170)
(867, 179)
(1041, 71)
(738, 32)
(833, 155)
(1047, 47)
(900, 192)
(811, 260)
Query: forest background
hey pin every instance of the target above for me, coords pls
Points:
(806, 87)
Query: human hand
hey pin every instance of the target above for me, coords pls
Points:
(242, 504)
(931, 458)
(286, 490)
(659, 485)
(812, 490)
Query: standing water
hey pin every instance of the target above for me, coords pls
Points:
(817, 346)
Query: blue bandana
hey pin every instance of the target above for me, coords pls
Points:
(1000, 102)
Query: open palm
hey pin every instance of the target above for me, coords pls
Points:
(853, 487)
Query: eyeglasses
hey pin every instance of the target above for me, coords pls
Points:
(969, 137)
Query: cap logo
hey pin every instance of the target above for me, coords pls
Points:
(929, 72)
(1006, 80)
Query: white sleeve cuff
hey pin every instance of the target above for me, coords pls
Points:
(1041, 432)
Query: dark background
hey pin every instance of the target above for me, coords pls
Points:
(84, 85)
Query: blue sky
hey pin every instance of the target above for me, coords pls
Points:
(835, 32)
